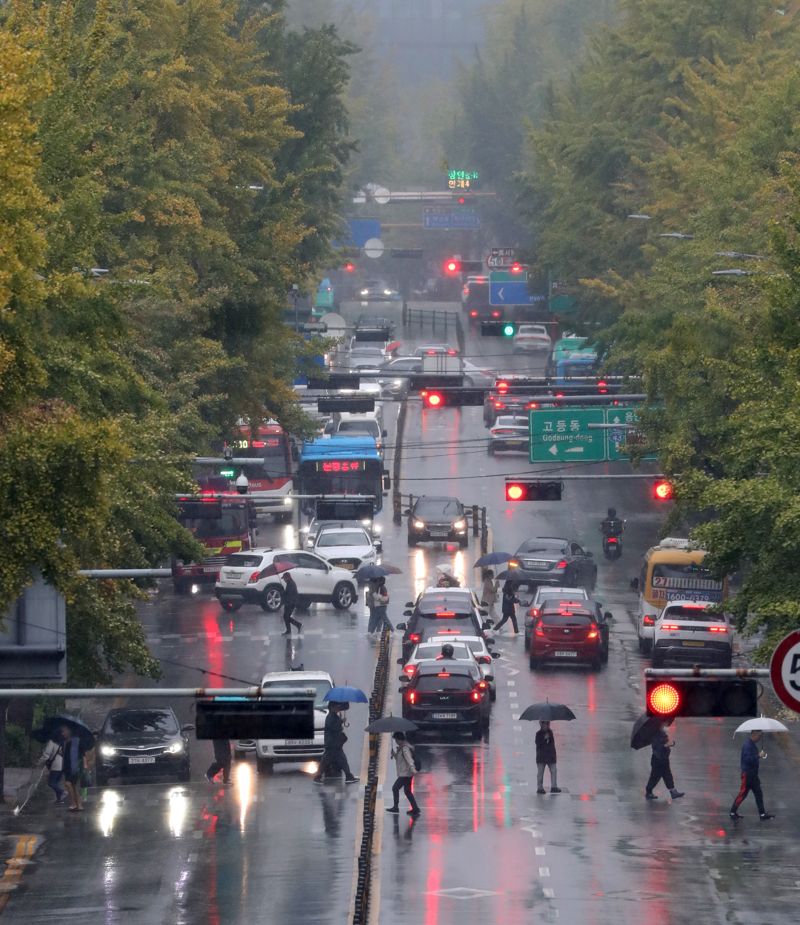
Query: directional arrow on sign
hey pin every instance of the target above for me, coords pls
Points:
(574, 449)
(553, 449)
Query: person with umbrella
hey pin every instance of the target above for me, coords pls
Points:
(749, 763)
(510, 600)
(222, 762)
(72, 764)
(334, 760)
(406, 766)
(289, 603)
(53, 759)
(382, 604)
(546, 757)
(372, 623)
(489, 592)
(659, 764)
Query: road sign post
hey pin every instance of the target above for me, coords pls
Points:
(563, 435)
(784, 671)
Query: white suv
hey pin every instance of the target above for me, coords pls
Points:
(246, 577)
(346, 547)
(687, 632)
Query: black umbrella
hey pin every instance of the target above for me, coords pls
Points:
(644, 730)
(52, 724)
(391, 724)
(547, 711)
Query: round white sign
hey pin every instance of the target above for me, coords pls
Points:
(373, 247)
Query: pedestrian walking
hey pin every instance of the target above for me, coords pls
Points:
(406, 766)
(72, 765)
(221, 762)
(659, 764)
(489, 592)
(382, 604)
(334, 760)
(373, 623)
(749, 763)
(510, 600)
(289, 603)
(53, 759)
(546, 757)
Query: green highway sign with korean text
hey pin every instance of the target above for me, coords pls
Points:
(617, 438)
(563, 435)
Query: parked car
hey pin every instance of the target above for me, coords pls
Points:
(550, 560)
(250, 578)
(148, 740)
(439, 519)
(688, 633)
(565, 635)
(452, 697)
(509, 432)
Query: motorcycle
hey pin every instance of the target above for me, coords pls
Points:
(612, 547)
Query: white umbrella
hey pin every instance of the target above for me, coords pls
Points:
(761, 724)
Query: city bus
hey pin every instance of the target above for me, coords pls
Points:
(340, 465)
(578, 364)
(271, 481)
(673, 571)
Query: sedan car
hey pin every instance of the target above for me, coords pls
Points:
(509, 432)
(438, 519)
(546, 594)
(253, 577)
(346, 547)
(579, 601)
(532, 338)
(465, 648)
(451, 696)
(442, 612)
(149, 740)
(394, 375)
(368, 323)
(378, 290)
(433, 350)
(565, 635)
(364, 357)
(550, 560)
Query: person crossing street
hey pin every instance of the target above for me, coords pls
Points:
(660, 766)
(749, 763)
(289, 604)
(510, 600)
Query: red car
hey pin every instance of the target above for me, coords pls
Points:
(566, 635)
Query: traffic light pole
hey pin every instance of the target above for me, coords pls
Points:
(706, 673)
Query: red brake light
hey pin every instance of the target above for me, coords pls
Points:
(670, 626)
(254, 578)
(445, 613)
(410, 670)
(718, 629)
(444, 674)
(451, 352)
(538, 631)
(561, 564)
(411, 696)
(592, 634)
(611, 540)
(532, 405)
(648, 620)
(414, 637)
(482, 685)
(499, 404)
(476, 695)
(473, 313)
(431, 353)
(495, 314)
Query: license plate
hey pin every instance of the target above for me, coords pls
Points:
(209, 569)
(348, 565)
(535, 563)
(566, 654)
(439, 532)
(231, 575)
(692, 642)
(142, 759)
(445, 716)
(299, 742)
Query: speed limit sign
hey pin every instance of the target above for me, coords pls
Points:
(784, 670)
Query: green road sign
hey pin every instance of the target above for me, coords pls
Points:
(563, 435)
(506, 276)
(616, 438)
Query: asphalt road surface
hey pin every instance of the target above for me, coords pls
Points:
(487, 848)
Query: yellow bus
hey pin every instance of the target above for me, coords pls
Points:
(672, 571)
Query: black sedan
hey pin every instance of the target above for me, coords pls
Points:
(146, 740)
(448, 694)
(550, 560)
(437, 519)
(378, 290)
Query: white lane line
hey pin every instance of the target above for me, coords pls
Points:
(539, 849)
(544, 871)
(511, 683)
(549, 893)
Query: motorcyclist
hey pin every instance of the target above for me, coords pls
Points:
(612, 525)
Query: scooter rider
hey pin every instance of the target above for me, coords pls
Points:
(612, 525)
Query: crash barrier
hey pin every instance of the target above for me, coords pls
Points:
(473, 512)
(438, 318)
(376, 706)
(397, 463)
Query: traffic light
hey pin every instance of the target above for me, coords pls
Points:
(533, 490)
(461, 200)
(452, 266)
(452, 397)
(498, 328)
(349, 267)
(663, 490)
(516, 268)
(701, 697)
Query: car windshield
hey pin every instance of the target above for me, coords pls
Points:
(437, 507)
(359, 427)
(570, 618)
(243, 560)
(551, 547)
(320, 686)
(698, 614)
(142, 721)
(340, 538)
(452, 682)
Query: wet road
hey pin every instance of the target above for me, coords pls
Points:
(487, 848)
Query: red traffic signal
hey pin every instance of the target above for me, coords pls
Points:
(663, 699)
(663, 490)
(432, 399)
(533, 490)
(349, 267)
(452, 266)
(516, 268)
(701, 696)
(461, 200)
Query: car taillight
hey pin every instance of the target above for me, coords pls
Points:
(414, 637)
(476, 695)
(539, 631)
(254, 578)
(495, 314)
(611, 540)
(670, 626)
(409, 670)
(534, 612)
(411, 696)
(648, 620)
(482, 685)
(718, 629)
(473, 313)
(561, 564)
(592, 634)
(499, 404)
(532, 405)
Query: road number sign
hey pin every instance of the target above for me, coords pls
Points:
(784, 670)
(501, 257)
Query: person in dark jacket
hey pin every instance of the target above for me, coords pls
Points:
(72, 765)
(659, 765)
(546, 757)
(289, 603)
(221, 762)
(750, 760)
(510, 600)
(334, 760)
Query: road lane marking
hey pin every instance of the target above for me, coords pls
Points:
(539, 849)
(15, 867)
(549, 893)
(544, 871)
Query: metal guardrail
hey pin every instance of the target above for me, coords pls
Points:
(437, 318)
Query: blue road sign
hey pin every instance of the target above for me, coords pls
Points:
(516, 293)
(434, 219)
(362, 229)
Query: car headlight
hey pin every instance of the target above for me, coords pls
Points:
(287, 500)
(175, 748)
(419, 524)
(387, 291)
(460, 524)
(376, 528)
(365, 292)
(108, 751)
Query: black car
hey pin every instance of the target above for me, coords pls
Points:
(145, 740)
(551, 560)
(439, 519)
(448, 694)
(442, 612)
(369, 326)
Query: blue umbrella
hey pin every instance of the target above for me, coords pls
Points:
(493, 558)
(346, 695)
(368, 572)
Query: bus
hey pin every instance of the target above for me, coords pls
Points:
(222, 525)
(673, 571)
(271, 481)
(340, 465)
(578, 364)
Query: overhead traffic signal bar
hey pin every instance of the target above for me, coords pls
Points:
(701, 696)
(498, 328)
(335, 381)
(452, 397)
(533, 490)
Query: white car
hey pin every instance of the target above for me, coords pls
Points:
(509, 432)
(270, 751)
(465, 648)
(687, 633)
(532, 338)
(346, 547)
(246, 578)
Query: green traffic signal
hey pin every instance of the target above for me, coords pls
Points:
(509, 330)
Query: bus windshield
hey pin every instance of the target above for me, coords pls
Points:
(272, 448)
(229, 523)
(686, 581)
